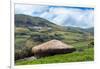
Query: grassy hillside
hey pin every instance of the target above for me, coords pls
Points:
(27, 21)
(86, 55)
(31, 31)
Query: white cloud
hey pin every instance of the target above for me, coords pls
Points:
(29, 9)
(73, 17)
(60, 15)
(63, 10)
(48, 16)
(23, 9)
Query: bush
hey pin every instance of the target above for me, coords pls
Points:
(22, 49)
(23, 53)
(91, 44)
(40, 37)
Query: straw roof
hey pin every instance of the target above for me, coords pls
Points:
(52, 47)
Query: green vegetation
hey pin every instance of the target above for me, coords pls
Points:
(31, 31)
(86, 55)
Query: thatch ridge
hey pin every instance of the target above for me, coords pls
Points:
(52, 47)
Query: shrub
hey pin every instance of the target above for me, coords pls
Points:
(91, 44)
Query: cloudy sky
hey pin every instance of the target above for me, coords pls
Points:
(61, 15)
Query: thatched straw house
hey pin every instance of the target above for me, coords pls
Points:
(51, 47)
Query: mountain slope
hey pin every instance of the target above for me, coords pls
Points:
(22, 20)
(80, 30)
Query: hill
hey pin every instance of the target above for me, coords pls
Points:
(80, 30)
(27, 21)
(31, 31)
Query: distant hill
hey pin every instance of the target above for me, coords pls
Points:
(22, 20)
(26, 20)
(90, 30)
(80, 30)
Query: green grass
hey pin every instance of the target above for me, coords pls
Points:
(81, 44)
(86, 55)
(21, 30)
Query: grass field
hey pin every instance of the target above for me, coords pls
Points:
(82, 53)
(86, 55)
